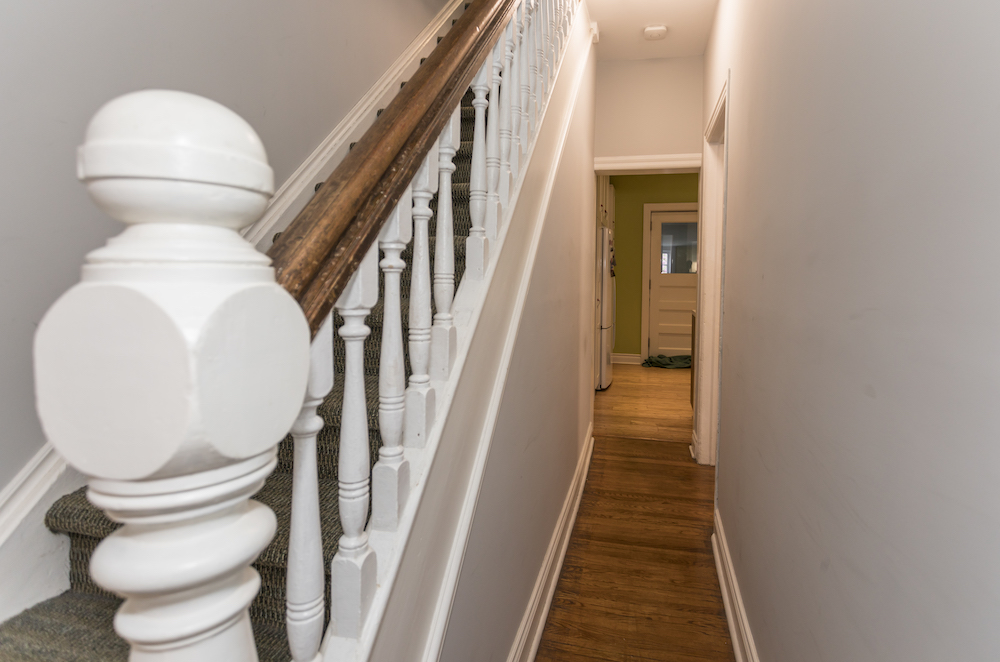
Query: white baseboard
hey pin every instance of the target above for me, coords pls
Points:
(627, 359)
(647, 164)
(34, 562)
(298, 189)
(739, 626)
(529, 634)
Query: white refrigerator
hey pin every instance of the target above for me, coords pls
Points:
(605, 308)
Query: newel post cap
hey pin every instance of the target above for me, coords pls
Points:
(164, 134)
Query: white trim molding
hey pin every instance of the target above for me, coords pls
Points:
(739, 627)
(298, 189)
(34, 562)
(627, 359)
(648, 164)
(529, 634)
(711, 265)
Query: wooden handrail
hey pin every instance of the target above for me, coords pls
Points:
(315, 257)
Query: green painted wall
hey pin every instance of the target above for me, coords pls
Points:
(631, 193)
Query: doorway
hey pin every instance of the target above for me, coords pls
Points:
(670, 268)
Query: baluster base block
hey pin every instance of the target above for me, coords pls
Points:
(444, 347)
(494, 212)
(352, 587)
(419, 416)
(477, 257)
(390, 491)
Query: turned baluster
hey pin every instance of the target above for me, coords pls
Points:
(354, 567)
(444, 338)
(305, 582)
(539, 84)
(498, 153)
(141, 387)
(477, 244)
(518, 147)
(420, 394)
(391, 474)
(531, 53)
(545, 40)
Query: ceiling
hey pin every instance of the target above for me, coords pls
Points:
(621, 23)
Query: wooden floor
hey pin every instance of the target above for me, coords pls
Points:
(639, 579)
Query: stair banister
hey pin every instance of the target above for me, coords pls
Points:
(391, 474)
(477, 245)
(354, 570)
(140, 387)
(305, 588)
(493, 138)
(444, 340)
(316, 255)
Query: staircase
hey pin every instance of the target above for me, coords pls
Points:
(77, 625)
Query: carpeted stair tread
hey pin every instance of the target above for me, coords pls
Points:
(72, 627)
(78, 627)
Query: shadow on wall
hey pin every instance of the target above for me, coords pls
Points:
(631, 193)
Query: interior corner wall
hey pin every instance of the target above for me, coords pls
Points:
(631, 193)
(859, 469)
(544, 416)
(649, 106)
(293, 69)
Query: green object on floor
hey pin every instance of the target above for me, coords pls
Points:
(77, 625)
(661, 361)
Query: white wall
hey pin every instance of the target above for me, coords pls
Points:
(546, 409)
(649, 106)
(859, 467)
(293, 69)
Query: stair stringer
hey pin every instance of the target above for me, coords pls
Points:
(412, 604)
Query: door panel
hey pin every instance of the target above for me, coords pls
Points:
(673, 283)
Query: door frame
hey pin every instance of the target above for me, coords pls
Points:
(711, 283)
(647, 221)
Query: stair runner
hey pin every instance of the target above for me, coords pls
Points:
(77, 625)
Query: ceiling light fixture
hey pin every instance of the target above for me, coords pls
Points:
(654, 32)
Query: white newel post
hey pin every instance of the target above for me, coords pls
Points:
(420, 394)
(444, 338)
(150, 376)
(391, 474)
(353, 569)
(305, 585)
(477, 250)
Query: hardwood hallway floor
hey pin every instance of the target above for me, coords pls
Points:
(639, 579)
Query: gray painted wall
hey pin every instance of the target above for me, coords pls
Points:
(859, 467)
(546, 409)
(293, 69)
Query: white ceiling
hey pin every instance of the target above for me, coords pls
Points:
(621, 23)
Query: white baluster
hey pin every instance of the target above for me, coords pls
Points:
(391, 474)
(354, 567)
(444, 338)
(517, 146)
(539, 56)
(504, 174)
(477, 252)
(524, 78)
(531, 52)
(306, 582)
(546, 42)
(420, 394)
(141, 387)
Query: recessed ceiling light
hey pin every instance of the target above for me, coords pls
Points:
(654, 32)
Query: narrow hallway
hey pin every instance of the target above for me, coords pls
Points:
(639, 579)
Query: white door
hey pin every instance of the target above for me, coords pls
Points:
(673, 280)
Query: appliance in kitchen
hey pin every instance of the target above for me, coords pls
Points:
(605, 308)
